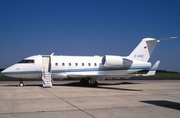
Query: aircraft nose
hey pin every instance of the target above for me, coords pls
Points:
(4, 71)
(8, 70)
(11, 71)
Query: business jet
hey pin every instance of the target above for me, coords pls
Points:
(88, 69)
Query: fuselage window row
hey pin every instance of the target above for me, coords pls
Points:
(76, 64)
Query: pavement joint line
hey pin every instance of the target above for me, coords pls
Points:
(75, 110)
(71, 104)
(38, 111)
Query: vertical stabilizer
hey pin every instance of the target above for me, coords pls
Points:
(144, 50)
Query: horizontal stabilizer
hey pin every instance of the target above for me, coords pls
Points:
(166, 38)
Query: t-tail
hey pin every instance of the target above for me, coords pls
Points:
(145, 48)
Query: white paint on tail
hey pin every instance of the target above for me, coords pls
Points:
(144, 50)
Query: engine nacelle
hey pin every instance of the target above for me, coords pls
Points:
(115, 61)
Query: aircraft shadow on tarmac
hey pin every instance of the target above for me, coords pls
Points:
(101, 85)
(79, 84)
(163, 103)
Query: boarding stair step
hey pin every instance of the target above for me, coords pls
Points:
(46, 79)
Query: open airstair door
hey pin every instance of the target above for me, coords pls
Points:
(46, 71)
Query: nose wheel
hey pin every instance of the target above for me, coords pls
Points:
(21, 83)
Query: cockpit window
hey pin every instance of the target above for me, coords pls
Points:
(26, 61)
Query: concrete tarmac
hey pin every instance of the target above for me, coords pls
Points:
(111, 99)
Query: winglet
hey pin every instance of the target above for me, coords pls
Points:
(152, 71)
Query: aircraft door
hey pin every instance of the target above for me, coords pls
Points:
(46, 64)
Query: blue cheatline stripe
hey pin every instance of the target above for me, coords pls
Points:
(23, 72)
(99, 69)
(80, 70)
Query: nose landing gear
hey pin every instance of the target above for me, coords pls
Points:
(21, 83)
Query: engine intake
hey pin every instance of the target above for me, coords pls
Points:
(115, 61)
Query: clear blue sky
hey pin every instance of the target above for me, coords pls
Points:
(88, 27)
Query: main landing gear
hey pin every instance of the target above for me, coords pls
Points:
(21, 83)
(89, 81)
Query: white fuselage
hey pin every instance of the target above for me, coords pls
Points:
(63, 66)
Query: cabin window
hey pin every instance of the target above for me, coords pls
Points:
(63, 64)
(26, 61)
(69, 64)
(89, 64)
(95, 64)
(76, 64)
(56, 64)
(82, 64)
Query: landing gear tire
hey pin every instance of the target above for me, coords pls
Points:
(85, 81)
(89, 82)
(21, 84)
(95, 84)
